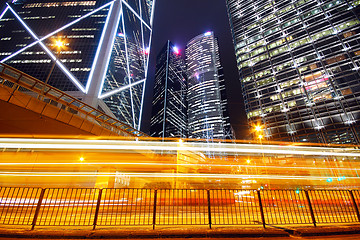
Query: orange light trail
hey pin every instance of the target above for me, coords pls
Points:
(162, 175)
(93, 145)
(179, 164)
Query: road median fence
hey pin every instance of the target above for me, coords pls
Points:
(155, 207)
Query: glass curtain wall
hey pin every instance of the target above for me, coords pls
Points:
(299, 67)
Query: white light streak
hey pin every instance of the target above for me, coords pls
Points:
(128, 69)
(3, 13)
(112, 41)
(146, 73)
(112, 92)
(98, 49)
(23, 23)
(163, 175)
(64, 69)
(152, 13)
(56, 31)
(145, 69)
(142, 102)
(62, 144)
(135, 13)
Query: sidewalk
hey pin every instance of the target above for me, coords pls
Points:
(175, 232)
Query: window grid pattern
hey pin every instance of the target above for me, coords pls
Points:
(207, 103)
(299, 67)
(169, 111)
(82, 25)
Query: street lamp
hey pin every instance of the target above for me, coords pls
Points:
(260, 136)
(59, 44)
(258, 128)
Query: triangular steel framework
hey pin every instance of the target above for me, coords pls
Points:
(97, 84)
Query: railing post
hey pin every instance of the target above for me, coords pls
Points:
(15, 87)
(261, 209)
(38, 208)
(310, 207)
(154, 212)
(97, 209)
(355, 205)
(209, 207)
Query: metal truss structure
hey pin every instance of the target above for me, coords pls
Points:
(116, 74)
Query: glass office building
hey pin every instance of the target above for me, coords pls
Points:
(2, 6)
(207, 103)
(105, 54)
(169, 106)
(299, 67)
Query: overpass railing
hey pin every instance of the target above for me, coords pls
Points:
(155, 207)
(42, 98)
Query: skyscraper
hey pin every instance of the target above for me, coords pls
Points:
(299, 67)
(169, 111)
(207, 104)
(2, 6)
(105, 58)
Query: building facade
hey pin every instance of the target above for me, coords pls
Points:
(207, 103)
(169, 105)
(105, 50)
(299, 67)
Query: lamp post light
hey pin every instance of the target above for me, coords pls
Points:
(258, 129)
(59, 45)
(259, 132)
(260, 137)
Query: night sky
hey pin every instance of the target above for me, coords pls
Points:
(181, 20)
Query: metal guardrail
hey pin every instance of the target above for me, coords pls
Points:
(182, 207)
(18, 205)
(334, 206)
(132, 207)
(125, 207)
(67, 207)
(235, 207)
(17, 81)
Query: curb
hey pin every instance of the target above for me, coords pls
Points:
(327, 231)
(131, 234)
(177, 233)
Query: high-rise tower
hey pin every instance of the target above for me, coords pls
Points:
(169, 111)
(105, 55)
(207, 104)
(299, 67)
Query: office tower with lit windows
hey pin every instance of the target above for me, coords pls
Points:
(105, 50)
(2, 6)
(299, 67)
(169, 106)
(207, 103)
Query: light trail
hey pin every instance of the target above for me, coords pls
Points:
(93, 161)
(60, 144)
(164, 175)
(180, 164)
(119, 142)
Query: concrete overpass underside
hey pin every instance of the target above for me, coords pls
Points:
(29, 106)
(17, 120)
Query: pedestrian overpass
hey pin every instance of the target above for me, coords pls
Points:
(30, 106)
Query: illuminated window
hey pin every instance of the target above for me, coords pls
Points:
(60, 4)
